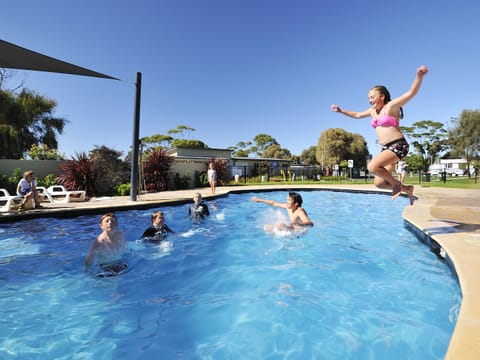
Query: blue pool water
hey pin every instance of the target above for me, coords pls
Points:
(358, 285)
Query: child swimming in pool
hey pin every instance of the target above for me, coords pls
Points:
(108, 247)
(199, 209)
(299, 219)
(158, 230)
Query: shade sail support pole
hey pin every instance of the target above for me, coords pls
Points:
(136, 141)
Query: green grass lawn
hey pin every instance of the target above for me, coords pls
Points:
(459, 182)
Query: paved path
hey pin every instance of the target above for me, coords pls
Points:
(450, 217)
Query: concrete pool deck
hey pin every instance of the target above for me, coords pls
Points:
(449, 218)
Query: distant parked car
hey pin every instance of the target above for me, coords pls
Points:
(455, 172)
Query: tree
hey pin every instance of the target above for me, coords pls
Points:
(193, 144)
(5, 75)
(242, 149)
(165, 141)
(111, 162)
(156, 169)
(43, 152)
(160, 140)
(464, 137)
(275, 151)
(335, 145)
(82, 173)
(26, 119)
(263, 141)
(308, 156)
(414, 162)
(181, 129)
(429, 139)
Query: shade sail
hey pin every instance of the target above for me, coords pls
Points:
(16, 57)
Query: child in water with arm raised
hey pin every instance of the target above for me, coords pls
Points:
(297, 215)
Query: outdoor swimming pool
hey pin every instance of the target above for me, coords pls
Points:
(358, 285)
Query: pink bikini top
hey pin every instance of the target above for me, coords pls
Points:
(385, 120)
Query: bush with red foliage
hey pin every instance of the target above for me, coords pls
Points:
(156, 169)
(82, 173)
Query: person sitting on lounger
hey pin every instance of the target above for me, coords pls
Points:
(26, 189)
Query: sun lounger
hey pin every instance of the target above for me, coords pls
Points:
(9, 202)
(44, 195)
(58, 194)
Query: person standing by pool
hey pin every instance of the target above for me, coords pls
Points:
(386, 114)
(401, 170)
(158, 230)
(212, 177)
(198, 209)
(297, 215)
(108, 247)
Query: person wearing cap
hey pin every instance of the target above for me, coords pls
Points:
(26, 189)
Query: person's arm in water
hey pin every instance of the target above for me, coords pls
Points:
(91, 255)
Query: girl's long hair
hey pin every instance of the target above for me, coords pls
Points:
(384, 91)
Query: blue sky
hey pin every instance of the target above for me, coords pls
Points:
(235, 69)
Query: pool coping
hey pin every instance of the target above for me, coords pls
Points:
(446, 220)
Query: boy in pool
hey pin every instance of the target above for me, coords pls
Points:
(198, 209)
(108, 247)
(158, 230)
(298, 216)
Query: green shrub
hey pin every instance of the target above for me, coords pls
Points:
(47, 181)
(122, 190)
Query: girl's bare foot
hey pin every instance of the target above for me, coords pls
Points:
(396, 190)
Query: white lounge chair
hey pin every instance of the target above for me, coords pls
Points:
(60, 195)
(9, 202)
(44, 195)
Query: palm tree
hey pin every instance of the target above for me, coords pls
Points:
(26, 119)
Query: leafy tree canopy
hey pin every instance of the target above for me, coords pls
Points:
(43, 152)
(428, 139)
(275, 151)
(335, 145)
(308, 156)
(464, 137)
(262, 142)
(163, 141)
(27, 119)
(181, 129)
(195, 144)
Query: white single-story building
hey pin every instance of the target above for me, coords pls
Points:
(453, 167)
(187, 161)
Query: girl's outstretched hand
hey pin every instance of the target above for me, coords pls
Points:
(422, 70)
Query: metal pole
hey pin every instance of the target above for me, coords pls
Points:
(135, 142)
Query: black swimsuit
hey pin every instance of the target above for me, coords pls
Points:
(399, 147)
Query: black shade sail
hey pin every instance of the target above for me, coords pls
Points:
(16, 57)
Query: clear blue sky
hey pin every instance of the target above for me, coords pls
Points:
(232, 69)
